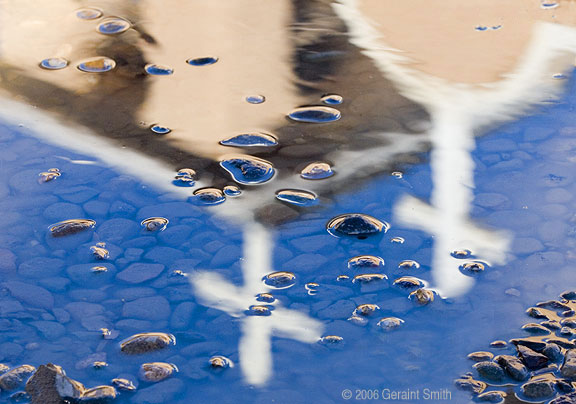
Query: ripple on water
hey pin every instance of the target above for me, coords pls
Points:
(155, 223)
(113, 26)
(315, 114)
(251, 140)
(232, 190)
(255, 99)
(362, 262)
(280, 279)
(317, 171)
(356, 225)
(185, 177)
(202, 61)
(209, 196)
(88, 13)
(248, 170)
(154, 69)
(297, 197)
(99, 64)
(54, 63)
(147, 342)
(332, 99)
(72, 226)
(49, 175)
(160, 130)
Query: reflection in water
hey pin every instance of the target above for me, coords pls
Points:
(393, 107)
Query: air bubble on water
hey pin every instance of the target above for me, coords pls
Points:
(408, 264)
(317, 171)
(99, 64)
(366, 309)
(356, 225)
(367, 278)
(158, 70)
(88, 13)
(251, 140)
(248, 170)
(265, 297)
(113, 26)
(220, 362)
(154, 224)
(280, 279)
(54, 63)
(209, 196)
(160, 130)
(409, 282)
(232, 190)
(49, 175)
(315, 114)
(362, 262)
(332, 99)
(72, 226)
(297, 197)
(255, 99)
(390, 323)
(202, 61)
(185, 177)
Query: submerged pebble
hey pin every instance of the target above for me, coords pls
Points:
(315, 114)
(366, 309)
(367, 278)
(202, 61)
(362, 262)
(297, 197)
(154, 69)
(113, 26)
(16, 377)
(280, 279)
(209, 196)
(480, 356)
(99, 64)
(72, 226)
(250, 140)
(317, 171)
(356, 225)
(248, 170)
(54, 63)
(157, 371)
(147, 342)
(422, 296)
(154, 224)
(409, 282)
(88, 13)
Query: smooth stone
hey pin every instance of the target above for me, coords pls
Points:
(78, 194)
(79, 310)
(490, 371)
(160, 393)
(565, 399)
(62, 211)
(481, 356)
(96, 208)
(341, 309)
(118, 230)
(49, 329)
(83, 274)
(7, 261)
(164, 255)
(129, 294)
(41, 387)
(182, 316)
(31, 295)
(226, 256)
(147, 342)
(492, 397)
(156, 371)
(553, 352)
(305, 263)
(40, 267)
(153, 308)
(513, 366)
(568, 368)
(134, 325)
(16, 377)
(140, 272)
(532, 359)
(538, 389)
(471, 385)
(98, 395)
(176, 235)
(10, 351)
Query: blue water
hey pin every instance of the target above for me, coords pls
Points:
(51, 307)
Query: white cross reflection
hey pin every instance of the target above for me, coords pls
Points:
(255, 346)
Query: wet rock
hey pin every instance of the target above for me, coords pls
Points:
(42, 385)
(40, 267)
(553, 352)
(98, 395)
(31, 295)
(536, 313)
(565, 399)
(422, 296)
(564, 343)
(7, 261)
(568, 295)
(123, 384)
(492, 397)
(513, 366)
(153, 308)
(16, 377)
(537, 346)
(538, 389)
(20, 397)
(3, 368)
(499, 344)
(157, 371)
(140, 272)
(554, 305)
(50, 330)
(565, 386)
(490, 371)
(534, 328)
(467, 383)
(551, 324)
(568, 369)
(147, 342)
(86, 275)
(532, 359)
(182, 316)
(159, 393)
(118, 230)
